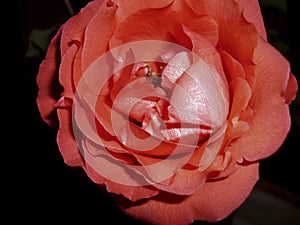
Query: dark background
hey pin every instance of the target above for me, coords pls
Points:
(40, 187)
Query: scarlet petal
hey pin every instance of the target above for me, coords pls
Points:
(291, 89)
(134, 193)
(77, 67)
(66, 71)
(270, 121)
(75, 26)
(65, 139)
(131, 6)
(135, 92)
(236, 35)
(241, 94)
(232, 67)
(178, 64)
(185, 182)
(103, 164)
(141, 26)
(204, 26)
(47, 81)
(91, 128)
(252, 13)
(196, 100)
(213, 202)
(96, 40)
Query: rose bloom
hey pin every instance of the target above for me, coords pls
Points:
(168, 104)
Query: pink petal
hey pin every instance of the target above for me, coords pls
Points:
(204, 26)
(90, 127)
(252, 13)
(241, 94)
(236, 35)
(47, 82)
(232, 67)
(131, 6)
(185, 182)
(178, 64)
(291, 89)
(66, 71)
(141, 26)
(101, 169)
(111, 168)
(97, 34)
(65, 139)
(195, 99)
(213, 202)
(133, 193)
(76, 25)
(270, 121)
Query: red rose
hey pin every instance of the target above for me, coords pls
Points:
(170, 102)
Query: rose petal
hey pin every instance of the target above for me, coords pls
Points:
(75, 26)
(47, 82)
(291, 89)
(100, 160)
(223, 166)
(77, 66)
(196, 100)
(185, 182)
(135, 92)
(178, 64)
(66, 71)
(65, 139)
(87, 124)
(270, 121)
(236, 35)
(93, 164)
(96, 40)
(208, 53)
(140, 142)
(167, 167)
(204, 26)
(252, 13)
(212, 148)
(213, 202)
(232, 67)
(141, 26)
(131, 192)
(131, 6)
(241, 94)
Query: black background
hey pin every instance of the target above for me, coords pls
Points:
(39, 187)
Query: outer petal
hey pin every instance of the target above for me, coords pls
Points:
(291, 90)
(252, 13)
(131, 6)
(97, 34)
(270, 121)
(66, 71)
(141, 26)
(47, 81)
(213, 202)
(185, 182)
(236, 35)
(134, 193)
(75, 26)
(65, 139)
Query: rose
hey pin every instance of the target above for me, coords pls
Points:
(169, 102)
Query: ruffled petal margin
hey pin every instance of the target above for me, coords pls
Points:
(213, 202)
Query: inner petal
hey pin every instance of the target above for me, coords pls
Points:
(198, 98)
